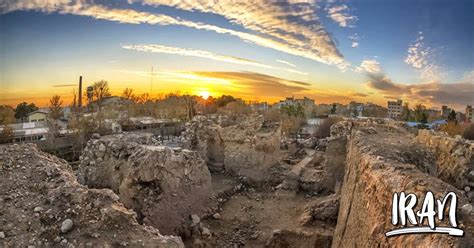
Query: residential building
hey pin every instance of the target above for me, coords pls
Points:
(38, 115)
(445, 111)
(469, 114)
(395, 109)
(288, 101)
(306, 102)
(433, 113)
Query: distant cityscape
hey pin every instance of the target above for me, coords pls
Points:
(32, 123)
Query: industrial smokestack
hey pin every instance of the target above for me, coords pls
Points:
(80, 91)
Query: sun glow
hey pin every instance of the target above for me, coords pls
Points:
(204, 94)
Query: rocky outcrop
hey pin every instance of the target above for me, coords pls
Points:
(163, 185)
(43, 205)
(248, 148)
(383, 159)
(454, 157)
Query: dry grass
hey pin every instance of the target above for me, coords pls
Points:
(452, 129)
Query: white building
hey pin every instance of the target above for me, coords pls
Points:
(395, 109)
(38, 115)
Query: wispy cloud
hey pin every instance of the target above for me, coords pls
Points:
(292, 26)
(155, 48)
(340, 14)
(417, 54)
(370, 66)
(420, 57)
(304, 37)
(354, 40)
(285, 62)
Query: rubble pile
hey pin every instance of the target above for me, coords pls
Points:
(454, 158)
(43, 205)
(309, 175)
(163, 185)
(324, 209)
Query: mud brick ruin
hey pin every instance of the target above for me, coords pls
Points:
(235, 185)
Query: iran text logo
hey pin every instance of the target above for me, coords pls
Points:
(431, 210)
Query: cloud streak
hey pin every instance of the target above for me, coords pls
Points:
(285, 62)
(340, 15)
(307, 37)
(155, 48)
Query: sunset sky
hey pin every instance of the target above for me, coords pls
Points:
(332, 51)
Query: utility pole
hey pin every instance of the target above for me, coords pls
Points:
(80, 92)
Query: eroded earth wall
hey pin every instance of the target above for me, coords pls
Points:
(382, 160)
(248, 148)
(454, 157)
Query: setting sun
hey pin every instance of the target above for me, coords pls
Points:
(204, 94)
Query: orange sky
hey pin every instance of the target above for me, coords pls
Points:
(249, 86)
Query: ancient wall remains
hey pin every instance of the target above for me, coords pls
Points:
(454, 157)
(248, 148)
(383, 159)
(163, 185)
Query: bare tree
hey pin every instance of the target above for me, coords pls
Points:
(144, 98)
(55, 112)
(101, 90)
(74, 101)
(55, 107)
(128, 93)
(190, 104)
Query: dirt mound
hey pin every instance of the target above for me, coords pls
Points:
(43, 205)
